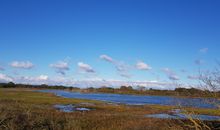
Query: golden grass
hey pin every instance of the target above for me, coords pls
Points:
(23, 109)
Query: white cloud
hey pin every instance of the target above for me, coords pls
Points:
(170, 74)
(61, 67)
(118, 83)
(203, 50)
(193, 77)
(22, 64)
(143, 66)
(106, 58)
(174, 77)
(96, 82)
(122, 68)
(5, 78)
(125, 75)
(168, 71)
(42, 77)
(85, 67)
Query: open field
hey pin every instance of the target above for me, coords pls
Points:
(22, 109)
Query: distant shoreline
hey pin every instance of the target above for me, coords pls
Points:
(178, 92)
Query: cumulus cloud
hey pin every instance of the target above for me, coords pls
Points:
(85, 67)
(42, 79)
(142, 66)
(22, 64)
(5, 78)
(203, 50)
(61, 67)
(170, 74)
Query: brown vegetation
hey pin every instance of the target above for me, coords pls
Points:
(25, 110)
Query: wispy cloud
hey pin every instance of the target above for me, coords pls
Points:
(193, 77)
(107, 58)
(204, 50)
(168, 71)
(170, 74)
(125, 75)
(61, 67)
(1, 68)
(121, 68)
(199, 62)
(85, 67)
(22, 64)
(174, 77)
(142, 66)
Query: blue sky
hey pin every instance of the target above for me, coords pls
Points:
(67, 39)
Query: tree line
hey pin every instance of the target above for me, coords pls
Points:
(189, 92)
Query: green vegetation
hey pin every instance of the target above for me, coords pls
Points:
(23, 109)
(28, 96)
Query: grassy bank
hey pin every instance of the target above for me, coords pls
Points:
(23, 109)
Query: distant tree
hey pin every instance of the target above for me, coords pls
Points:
(209, 86)
(10, 85)
(141, 88)
(151, 89)
(44, 86)
(210, 82)
(126, 88)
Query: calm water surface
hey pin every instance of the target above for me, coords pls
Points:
(137, 100)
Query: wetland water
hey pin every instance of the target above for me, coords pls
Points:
(138, 99)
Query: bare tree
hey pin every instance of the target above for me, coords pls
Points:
(210, 83)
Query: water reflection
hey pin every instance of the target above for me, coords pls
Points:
(70, 108)
(176, 114)
(138, 100)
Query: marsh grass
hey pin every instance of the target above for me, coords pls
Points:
(26, 110)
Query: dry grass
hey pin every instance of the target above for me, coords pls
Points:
(26, 110)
